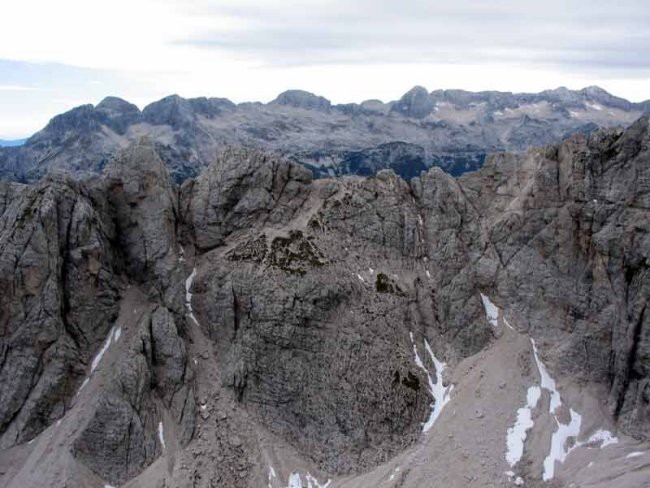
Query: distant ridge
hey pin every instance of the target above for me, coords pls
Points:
(452, 129)
(12, 143)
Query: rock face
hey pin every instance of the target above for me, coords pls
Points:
(122, 435)
(452, 129)
(59, 283)
(568, 236)
(255, 314)
(415, 103)
(304, 100)
(242, 188)
(406, 160)
(145, 206)
(68, 250)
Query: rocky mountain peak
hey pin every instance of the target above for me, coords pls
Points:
(455, 129)
(175, 111)
(81, 120)
(303, 99)
(116, 105)
(118, 114)
(414, 103)
(211, 107)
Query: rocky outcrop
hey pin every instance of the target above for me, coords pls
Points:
(566, 243)
(240, 190)
(67, 249)
(145, 207)
(415, 103)
(122, 435)
(304, 100)
(60, 289)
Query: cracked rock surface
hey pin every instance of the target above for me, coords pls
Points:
(254, 317)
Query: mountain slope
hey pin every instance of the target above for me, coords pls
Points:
(255, 326)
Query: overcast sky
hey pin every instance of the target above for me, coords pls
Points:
(58, 54)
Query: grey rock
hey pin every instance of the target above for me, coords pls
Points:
(60, 290)
(310, 295)
(303, 99)
(567, 233)
(241, 189)
(145, 207)
(121, 437)
(455, 128)
(415, 103)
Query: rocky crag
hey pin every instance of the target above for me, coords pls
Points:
(255, 326)
(451, 129)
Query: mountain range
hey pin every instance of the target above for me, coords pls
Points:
(451, 129)
(255, 326)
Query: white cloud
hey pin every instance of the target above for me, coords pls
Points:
(8, 88)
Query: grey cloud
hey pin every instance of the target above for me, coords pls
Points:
(593, 35)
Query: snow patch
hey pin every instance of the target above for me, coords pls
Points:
(181, 257)
(547, 382)
(513, 478)
(85, 382)
(161, 434)
(418, 361)
(516, 435)
(634, 454)
(113, 336)
(360, 278)
(103, 350)
(109, 486)
(188, 295)
(441, 394)
(605, 437)
(294, 481)
(313, 482)
(491, 310)
(428, 274)
(559, 451)
(188, 287)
